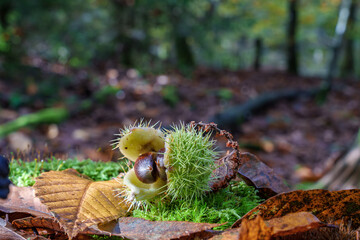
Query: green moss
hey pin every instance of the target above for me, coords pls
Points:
(225, 206)
(24, 173)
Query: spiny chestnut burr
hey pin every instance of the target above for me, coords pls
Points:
(183, 169)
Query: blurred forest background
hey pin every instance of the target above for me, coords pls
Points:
(282, 75)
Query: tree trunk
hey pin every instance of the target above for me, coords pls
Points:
(340, 30)
(292, 56)
(5, 8)
(258, 53)
(348, 68)
(185, 58)
(183, 52)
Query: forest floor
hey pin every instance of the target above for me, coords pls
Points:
(298, 138)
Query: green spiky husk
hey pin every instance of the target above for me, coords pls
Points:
(189, 159)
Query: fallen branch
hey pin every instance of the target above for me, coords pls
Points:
(234, 116)
(50, 115)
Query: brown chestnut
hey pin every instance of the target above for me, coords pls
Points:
(160, 164)
(145, 168)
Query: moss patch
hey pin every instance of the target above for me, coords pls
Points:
(24, 173)
(225, 206)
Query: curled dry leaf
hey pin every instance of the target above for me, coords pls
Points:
(138, 228)
(256, 173)
(78, 202)
(326, 205)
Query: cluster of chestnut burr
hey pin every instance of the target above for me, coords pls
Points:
(177, 162)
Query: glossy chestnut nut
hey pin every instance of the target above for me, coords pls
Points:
(160, 164)
(145, 168)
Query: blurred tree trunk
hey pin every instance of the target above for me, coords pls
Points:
(348, 68)
(184, 56)
(124, 19)
(11, 54)
(5, 8)
(340, 30)
(258, 53)
(292, 55)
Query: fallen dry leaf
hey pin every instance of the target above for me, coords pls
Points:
(328, 206)
(78, 202)
(294, 223)
(255, 229)
(256, 173)
(21, 202)
(9, 234)
(138, 228)
(49, 224)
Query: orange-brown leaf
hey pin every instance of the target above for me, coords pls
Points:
(37, 222)
(326, 205)
(255, 229)
(78, 202)
(294, 223)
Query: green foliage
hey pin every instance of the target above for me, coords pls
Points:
(225, 206)
(105, 92)
(309, 186)
(225, 94)
(99, 237)
(170, 95)
(164, 33)
(24, 173)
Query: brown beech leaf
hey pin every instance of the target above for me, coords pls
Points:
(256, 173)
(294, 223)
(138, 228)
(78, 202)
(21, 202)
(333, 206)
